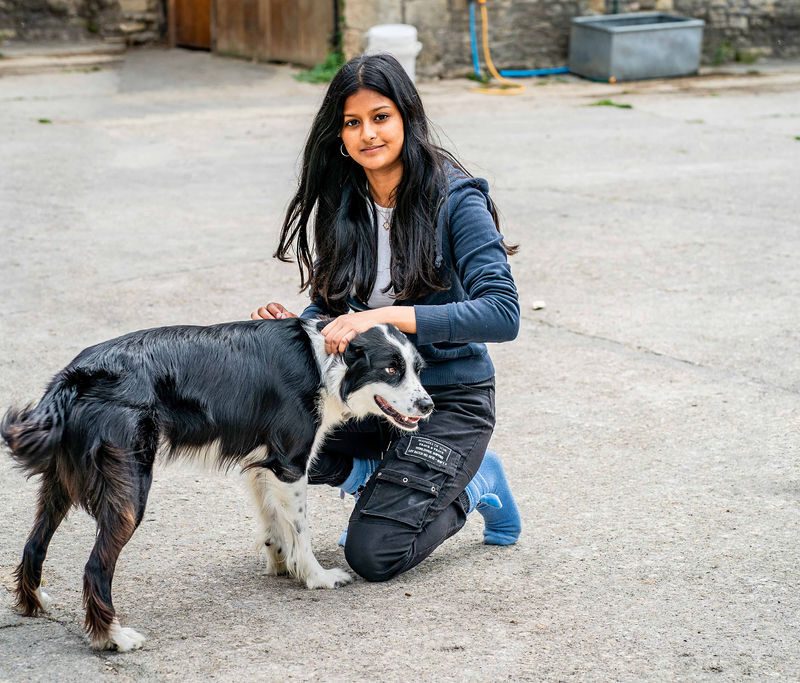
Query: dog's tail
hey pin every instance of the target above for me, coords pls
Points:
(34, 433)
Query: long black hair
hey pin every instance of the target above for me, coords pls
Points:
(333, 197)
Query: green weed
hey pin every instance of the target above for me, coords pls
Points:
(324, 72)
(44, 120)
(611, 103)
(746, 56)
(482, 78)
(724, 52)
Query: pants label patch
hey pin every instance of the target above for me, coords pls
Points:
(431, 452)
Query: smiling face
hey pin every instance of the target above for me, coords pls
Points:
(372, 131)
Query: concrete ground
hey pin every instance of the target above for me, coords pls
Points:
(648, 414)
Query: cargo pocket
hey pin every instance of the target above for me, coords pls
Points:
(400, 497)
(431, 457)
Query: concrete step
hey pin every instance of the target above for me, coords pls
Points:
(42, 57)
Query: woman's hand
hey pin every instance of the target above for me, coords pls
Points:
(340, 332)
(272, 311)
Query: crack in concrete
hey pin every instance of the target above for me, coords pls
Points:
(649, 203)
(643, 350)
(32, 621)
(183, 271)
(68, 626)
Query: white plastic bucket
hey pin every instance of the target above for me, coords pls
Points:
(399, 40)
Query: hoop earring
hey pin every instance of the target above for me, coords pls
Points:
(342, 151)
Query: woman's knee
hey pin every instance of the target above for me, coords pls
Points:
(373, 554)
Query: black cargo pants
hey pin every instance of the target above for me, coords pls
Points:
(415, 500)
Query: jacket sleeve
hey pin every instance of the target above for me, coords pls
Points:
(316, 309)
(491, 311)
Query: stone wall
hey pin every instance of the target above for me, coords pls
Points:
(58, 19)
(138, 21)
(523, 33)
(535, 33)
(143, 21)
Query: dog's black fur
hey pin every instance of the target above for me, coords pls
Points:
(253, 389)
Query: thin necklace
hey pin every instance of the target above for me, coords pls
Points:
(387, 217)
(386, 214)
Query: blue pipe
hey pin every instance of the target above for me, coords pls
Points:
(524, 73)
(473, 41)
(506, 73)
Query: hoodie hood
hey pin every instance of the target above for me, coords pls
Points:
(457, 183)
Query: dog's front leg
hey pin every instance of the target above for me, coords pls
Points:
(285, 514)
(308, 569)
(266, 542)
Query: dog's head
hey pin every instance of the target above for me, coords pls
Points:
(382, 378)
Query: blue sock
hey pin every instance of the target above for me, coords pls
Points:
(358, 477)
(490, 494)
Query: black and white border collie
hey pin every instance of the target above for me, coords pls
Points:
(258, 395)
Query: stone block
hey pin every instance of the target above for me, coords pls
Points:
(61, 8)
(131, 6)
(738, 22)
(352, 42)
(362, 14)
(146, 17)
(142, 38)
(128, 27)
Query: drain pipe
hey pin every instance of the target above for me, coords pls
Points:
(506, 73)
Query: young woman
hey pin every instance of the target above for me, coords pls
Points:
(387, 227)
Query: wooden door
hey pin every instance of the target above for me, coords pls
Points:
(240, 27)
(297, 31)
(300, 30)
(190, 23)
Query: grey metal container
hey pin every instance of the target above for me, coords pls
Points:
(629, 47)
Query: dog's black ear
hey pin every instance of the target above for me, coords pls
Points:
(357, 362)
(354, 352)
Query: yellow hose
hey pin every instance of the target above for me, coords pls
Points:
(505, 87)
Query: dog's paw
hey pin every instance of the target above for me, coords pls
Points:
(329, 578)
(44, 599)
(120, 639)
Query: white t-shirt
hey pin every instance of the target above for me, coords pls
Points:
(383, 276)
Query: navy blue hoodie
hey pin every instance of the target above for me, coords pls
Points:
(481, 304)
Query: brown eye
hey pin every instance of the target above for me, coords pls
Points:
(391, 371)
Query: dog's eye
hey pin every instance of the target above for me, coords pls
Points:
(391, 371)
